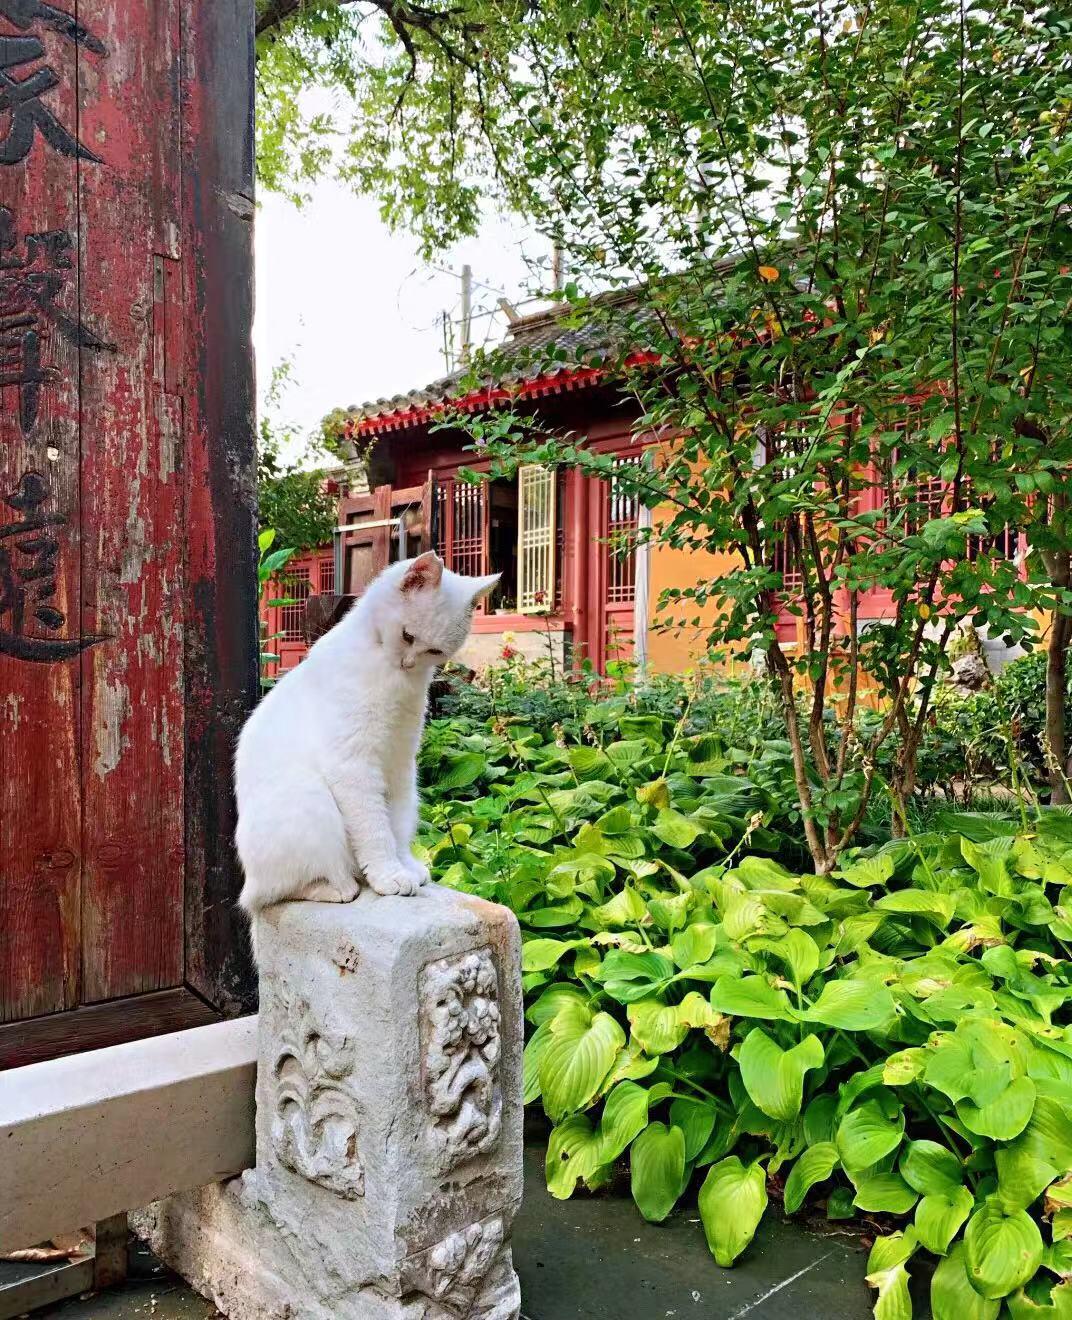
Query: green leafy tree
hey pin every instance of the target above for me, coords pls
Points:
(845, 238)
(293, 497)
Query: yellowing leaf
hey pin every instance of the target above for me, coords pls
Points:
(768, 274)
(732, 1201)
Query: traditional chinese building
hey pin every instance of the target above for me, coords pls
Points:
(556, 537)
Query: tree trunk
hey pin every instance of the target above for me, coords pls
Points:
(1056, 684)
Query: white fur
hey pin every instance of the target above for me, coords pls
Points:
(326, 771)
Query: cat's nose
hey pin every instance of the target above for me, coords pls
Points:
(408, 662)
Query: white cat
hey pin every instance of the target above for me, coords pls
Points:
(326, 771)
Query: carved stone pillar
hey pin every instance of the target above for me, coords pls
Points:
(389, 1122)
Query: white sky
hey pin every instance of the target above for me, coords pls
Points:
(354, 308)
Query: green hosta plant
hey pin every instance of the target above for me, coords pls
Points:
(892, 1039)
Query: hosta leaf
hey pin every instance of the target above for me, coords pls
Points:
(1059, 1195)
(696, 1119)
(949, 1067)
(745, 915)
(657, 1170)
(460, 771)
(1003, 1118)
(1048, 1135)
(990, 860)
(626, 908)
(556, 916)
(953, 1297)
(868, 871)
(891, 1249)
(773, 1077)
(542, 954)
(732, 1201)
(884, 1192)
(893, 1301)
(798, 951)
(588, 762)
(573, 1152)
(695, 1011)
(918, 902)
(656, 1025)
(853, 1006)
(552, 1000)
(630, 976)
(814, 1166)
(1002, 1251)
(625, 1114)
(581, 1051)
(1057, 1307)
(656, 794)
(930, 1168)
(866, 1135)
(534, 1051)
(820, 1119)
(750, 996)
(694, 945)
(940, 1217)
(1022, 1177)
(903, 1067)
(867, 1079)
(676, 830)
(764, 873)
(670, 914)
(631, 1065)
(627, 754)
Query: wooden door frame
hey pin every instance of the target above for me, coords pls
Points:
(219, 498)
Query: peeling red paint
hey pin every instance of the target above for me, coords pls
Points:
(112, 761)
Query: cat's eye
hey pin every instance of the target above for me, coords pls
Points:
(433, 650)
(408, 637)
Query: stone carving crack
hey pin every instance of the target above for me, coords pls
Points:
(315, 1123)
(460, 1008)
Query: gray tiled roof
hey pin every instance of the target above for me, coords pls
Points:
(535, 346)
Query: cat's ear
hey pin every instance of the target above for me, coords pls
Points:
(424, 573)
(483, 586)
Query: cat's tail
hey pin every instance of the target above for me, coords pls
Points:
(251, 902)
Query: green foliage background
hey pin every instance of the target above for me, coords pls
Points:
(891, 1042)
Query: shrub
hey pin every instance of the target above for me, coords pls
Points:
(893, 1039)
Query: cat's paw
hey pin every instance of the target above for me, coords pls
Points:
(418, 871)
(397, 879)
(323, 891)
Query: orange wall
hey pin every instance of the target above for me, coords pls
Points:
(684, 645)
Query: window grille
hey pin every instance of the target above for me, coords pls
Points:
(622, 521)
(536, 538)
(294, 586)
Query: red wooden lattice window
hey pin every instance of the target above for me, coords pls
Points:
(623, 519)
(296, 588)
(785, 559)
(461, 516)
(326, 577)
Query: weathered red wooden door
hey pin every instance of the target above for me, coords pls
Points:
(608, 636)
(127, 585)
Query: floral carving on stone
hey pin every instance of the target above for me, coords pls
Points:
(315, 1123)
(460, 1008)
(468, 1274)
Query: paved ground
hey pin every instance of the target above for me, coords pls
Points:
(596, 1259)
